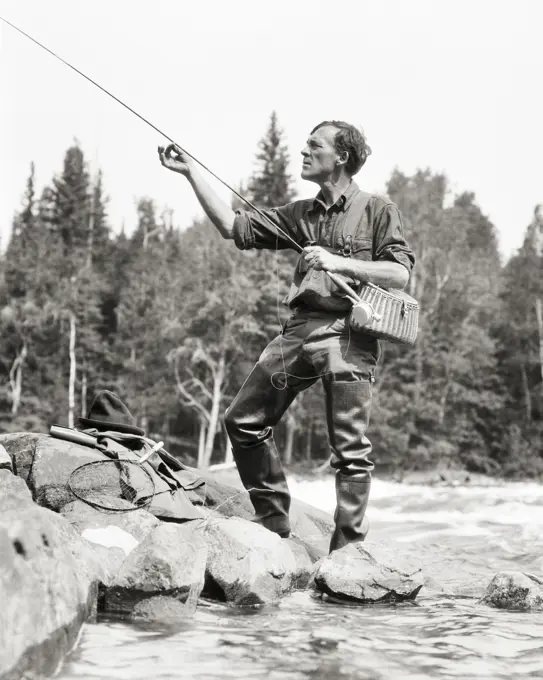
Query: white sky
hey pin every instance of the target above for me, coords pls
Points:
(455, 86)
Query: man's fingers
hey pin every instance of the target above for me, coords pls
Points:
(173, 148)
(161, 156)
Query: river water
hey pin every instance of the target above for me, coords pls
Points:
(465, 534)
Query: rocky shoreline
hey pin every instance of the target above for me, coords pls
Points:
(62, 561)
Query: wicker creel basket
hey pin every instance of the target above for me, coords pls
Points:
(395, 314)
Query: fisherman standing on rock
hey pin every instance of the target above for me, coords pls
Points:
(354, 235)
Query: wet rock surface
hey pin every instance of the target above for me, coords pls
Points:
(247, 564)
(516, 591)
(68, 560)
(171, 560)
(162, 609)
(45, 596)
(369, 572)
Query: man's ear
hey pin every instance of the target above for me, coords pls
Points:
(343, 158)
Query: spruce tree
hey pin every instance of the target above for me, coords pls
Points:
(271, 183)
(21, 251)
(72, 210)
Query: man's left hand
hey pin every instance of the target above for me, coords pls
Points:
(319, 258)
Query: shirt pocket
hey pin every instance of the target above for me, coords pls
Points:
(359, 248)
(362, 248)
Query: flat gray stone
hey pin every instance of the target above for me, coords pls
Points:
(369, 572)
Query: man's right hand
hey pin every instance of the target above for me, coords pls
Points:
(174, 158)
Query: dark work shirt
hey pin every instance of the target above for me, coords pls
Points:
(378, 236)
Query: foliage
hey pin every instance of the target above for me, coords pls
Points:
(174, 319)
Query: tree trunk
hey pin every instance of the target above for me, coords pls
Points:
(16, 380)
(218, 379)
(201, 442)
(290, 430)
(527, 395)
(71, 384)
(144, 420)
(539, 316)
(90, 236)
(308, 440)
(409, 426)
(84, 395)
(443, 400)
(228, 453)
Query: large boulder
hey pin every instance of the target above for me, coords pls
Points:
(38, 573)
(83, 517)
(369, 572)
(515, 590)
(46, 464)
(170, 560)
(247, 564)
(54, 461)
(223, 493)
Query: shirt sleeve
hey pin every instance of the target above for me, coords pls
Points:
(390, 243)
(252, 230)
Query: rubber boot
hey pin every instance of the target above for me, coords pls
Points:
(348, 409)
(352, 500)
(262, 475)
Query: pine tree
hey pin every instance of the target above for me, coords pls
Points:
(271, 183)
(22, 251)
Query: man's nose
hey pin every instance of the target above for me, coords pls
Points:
(305, 151)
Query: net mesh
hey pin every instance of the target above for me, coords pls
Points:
(113, 485)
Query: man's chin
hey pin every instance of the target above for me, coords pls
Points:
(306, 174)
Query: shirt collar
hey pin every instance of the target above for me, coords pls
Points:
(342, 202)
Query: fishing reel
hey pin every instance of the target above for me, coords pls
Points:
(362, 314)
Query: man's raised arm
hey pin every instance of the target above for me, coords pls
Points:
(215, 208)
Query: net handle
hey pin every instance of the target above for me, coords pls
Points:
(150, 453)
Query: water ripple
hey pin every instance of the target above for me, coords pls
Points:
(462, 535)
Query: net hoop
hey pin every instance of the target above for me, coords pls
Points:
(139, 504)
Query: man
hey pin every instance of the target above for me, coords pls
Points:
(344, 231)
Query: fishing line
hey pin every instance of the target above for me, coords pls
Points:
(339, 282)
(284, 373)
(350, 293)
(129, 108)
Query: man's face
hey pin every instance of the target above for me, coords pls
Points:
(319, 155)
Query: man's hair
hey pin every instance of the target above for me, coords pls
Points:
(349, 138)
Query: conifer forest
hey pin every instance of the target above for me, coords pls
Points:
(172, 318)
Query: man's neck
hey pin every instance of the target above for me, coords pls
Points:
(332, 189)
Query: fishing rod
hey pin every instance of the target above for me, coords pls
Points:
(339, 282)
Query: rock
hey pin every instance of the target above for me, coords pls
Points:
(369, 572)
(162, 609)
(46, 464)
(54, 461)
(515, 590)
(304, 564)
(38, 574)
(137, 523)
(14, 493)
(310, 525)
(247, 564)
(111, 537)
(5, 460)
(21, 447)
(170, 560)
